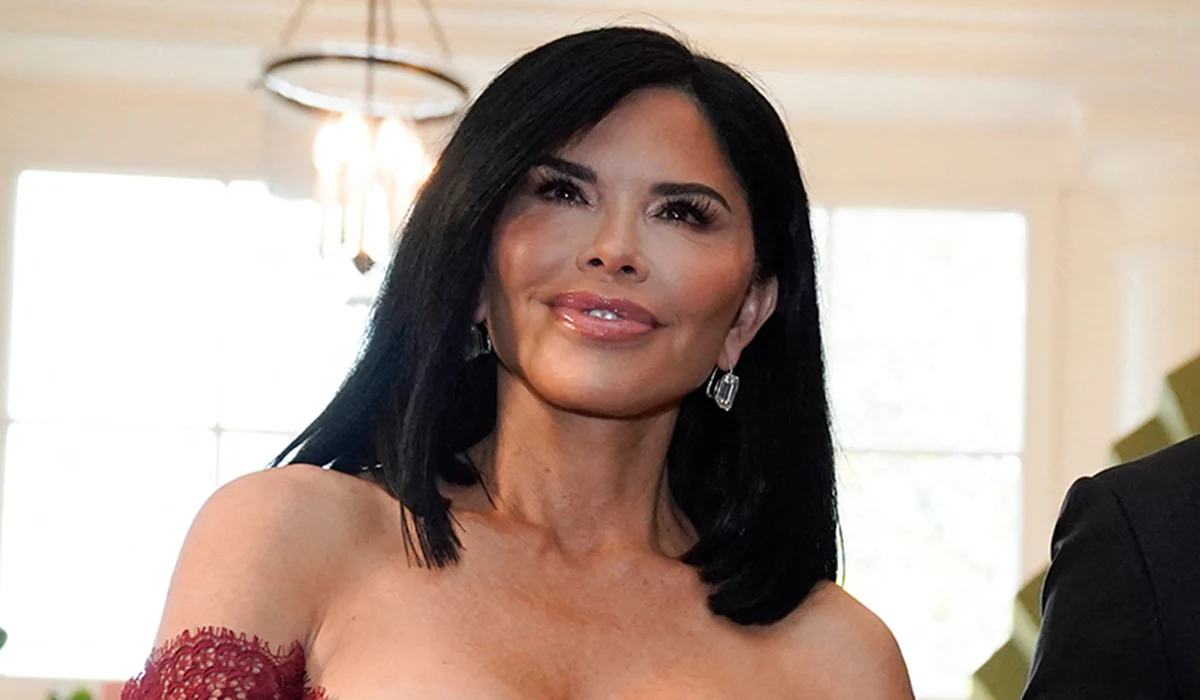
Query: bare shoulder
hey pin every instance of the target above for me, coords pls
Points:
(265, 549)
(857, 654)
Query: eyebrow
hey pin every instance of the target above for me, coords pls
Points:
(579, 171)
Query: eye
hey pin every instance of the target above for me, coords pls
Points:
(697, 212)
(559, 189)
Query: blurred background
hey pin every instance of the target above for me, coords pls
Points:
(1007, 212)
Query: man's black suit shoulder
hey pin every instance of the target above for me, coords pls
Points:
(1121, 603)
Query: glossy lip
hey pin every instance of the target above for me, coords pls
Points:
(571, 309)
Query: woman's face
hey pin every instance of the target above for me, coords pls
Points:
(622, 270)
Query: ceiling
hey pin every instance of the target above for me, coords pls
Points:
(1018, 60)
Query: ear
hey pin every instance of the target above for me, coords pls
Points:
(757, 307)
(481, 305)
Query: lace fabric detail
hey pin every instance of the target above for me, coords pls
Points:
(218, 663)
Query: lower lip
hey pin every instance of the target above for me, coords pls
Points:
(599, 328)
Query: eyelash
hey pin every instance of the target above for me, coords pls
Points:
(548, 187)
(699, 209)
(694, 211)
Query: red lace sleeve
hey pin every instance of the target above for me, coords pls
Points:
(219, 663)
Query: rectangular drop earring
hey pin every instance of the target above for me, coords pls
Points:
(724, 389)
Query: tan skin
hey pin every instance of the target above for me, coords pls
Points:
(569, 587)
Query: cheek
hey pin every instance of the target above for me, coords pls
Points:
(528, 251)
(520, 252)
(708, 288)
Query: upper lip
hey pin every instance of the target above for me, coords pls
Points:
(588, 301)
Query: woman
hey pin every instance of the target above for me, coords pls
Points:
(542, 479)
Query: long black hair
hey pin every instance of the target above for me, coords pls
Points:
(757, 483)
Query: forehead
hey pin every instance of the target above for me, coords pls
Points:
(658, 132)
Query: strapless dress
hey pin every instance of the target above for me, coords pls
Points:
(219, 664)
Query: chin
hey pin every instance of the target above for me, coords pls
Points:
(610, 392)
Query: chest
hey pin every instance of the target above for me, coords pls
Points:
(530, 635)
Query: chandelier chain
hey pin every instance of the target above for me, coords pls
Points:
(439, 34)
(389, 25)
(293, 23)
(369, 92)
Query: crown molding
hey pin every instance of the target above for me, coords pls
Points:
(964, 61)
(1095, 42)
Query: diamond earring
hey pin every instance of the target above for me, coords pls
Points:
(724, 389)
(479, 343)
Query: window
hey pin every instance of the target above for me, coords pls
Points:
(924, 315)
(167, 335)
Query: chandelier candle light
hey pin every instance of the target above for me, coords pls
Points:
(367, 174)
(367, 153)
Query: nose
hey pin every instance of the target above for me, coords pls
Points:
(616, 249)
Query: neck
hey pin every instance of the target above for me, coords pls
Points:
(588, 484)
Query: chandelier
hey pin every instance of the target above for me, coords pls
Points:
(369, 99)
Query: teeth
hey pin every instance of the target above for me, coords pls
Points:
(603, 313)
